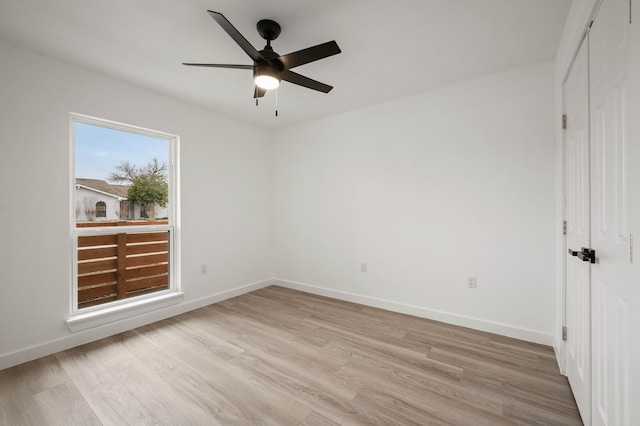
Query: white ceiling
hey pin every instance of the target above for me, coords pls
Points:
(390, 49)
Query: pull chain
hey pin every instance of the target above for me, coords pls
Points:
(277, 90)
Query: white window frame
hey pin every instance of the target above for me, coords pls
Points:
(92, 316)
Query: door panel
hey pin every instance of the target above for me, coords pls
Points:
(609, 41)
(577, 194)
(632, 328)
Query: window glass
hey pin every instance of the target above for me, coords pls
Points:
(101, 209)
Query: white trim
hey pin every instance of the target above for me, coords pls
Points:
(73, 198)
(79, 185)
(109, 314)
(121, 325)
(109, 124)
(129, 229)
(423, 312)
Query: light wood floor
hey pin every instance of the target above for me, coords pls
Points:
(282, 357)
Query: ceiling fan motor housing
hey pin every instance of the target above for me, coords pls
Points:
(273, 66)
(273, 69)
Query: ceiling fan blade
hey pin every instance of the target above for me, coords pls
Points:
(301, 80)
(238, 67)
(310, 54)
(258, 92)
(236, 36)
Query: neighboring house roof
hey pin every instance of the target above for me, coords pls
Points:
(101, 186)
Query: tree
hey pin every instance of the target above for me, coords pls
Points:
(149, 189)
(147, 184)
(90, 207)
(126, 172)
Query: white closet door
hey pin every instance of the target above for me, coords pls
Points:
(577, 192)
(610, 60)
(634, 303)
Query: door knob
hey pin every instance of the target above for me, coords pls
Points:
(586, 254)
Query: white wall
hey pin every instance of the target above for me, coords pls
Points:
(428, 190)
(225, 197)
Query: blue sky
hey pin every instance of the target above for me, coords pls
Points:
(99, 149)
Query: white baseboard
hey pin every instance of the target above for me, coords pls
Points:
(422, 312)
(85, 336)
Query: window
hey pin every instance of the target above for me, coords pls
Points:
(101, 209)
(125, 176)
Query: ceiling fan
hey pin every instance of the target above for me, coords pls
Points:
(269, 68)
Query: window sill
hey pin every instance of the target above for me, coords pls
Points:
(84, 321)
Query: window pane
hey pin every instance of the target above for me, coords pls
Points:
(120, 176)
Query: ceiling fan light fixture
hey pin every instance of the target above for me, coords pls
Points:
(267, 82)
(266, 77)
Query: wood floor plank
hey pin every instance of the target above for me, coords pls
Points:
(311, 394)
(358, 323)
(381, 374)
(158, 395)
(492, 375)
(17, 405)
(278, 356)
(303, 364)
(315, 419)
(367, 354)
(64, 405)
(268, 403)
(532, 413)
(205, 318)
(42, 374)
(226, 402)
(24, 411)
(485, 352)
(202, 335)
(348, 344)
(149, 351)
(106, 395)
(107, 352)
(398, 410)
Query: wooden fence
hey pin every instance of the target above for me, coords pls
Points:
(117, 266)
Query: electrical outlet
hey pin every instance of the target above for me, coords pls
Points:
(363, 267)
(471, 282)
(203, 269)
